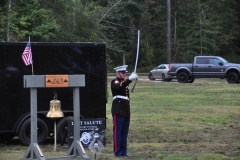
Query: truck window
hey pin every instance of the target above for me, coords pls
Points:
(202, 60)
(214, 61)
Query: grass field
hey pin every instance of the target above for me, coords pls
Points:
(170, 121)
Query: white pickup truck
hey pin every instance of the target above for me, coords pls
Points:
(205, 67)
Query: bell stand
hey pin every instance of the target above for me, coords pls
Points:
(33, 82)
(55, 123)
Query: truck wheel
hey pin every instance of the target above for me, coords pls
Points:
(163, 77)
(232, 78)
(62, 129)
(190, 80)
(25, 132)
(150, 77)
(182, 77)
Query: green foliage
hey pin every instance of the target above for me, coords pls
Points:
(2, 25)
(29, 19)
(120, 22)
(197, 27)
(207, 27)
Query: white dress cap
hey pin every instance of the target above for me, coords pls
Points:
(121, 68)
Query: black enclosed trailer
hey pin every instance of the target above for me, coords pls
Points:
(50, 58)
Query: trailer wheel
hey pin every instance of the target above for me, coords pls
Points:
(232, 78)
(62, 129)
(182, 77)
(25, 132)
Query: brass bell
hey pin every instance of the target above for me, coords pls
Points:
(55, 108)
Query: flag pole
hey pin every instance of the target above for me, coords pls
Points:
(32, 58)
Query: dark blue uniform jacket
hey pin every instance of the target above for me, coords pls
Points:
(119, 105)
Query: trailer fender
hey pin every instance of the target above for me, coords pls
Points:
(23, 118)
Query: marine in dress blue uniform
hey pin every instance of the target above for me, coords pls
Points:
(121, 110)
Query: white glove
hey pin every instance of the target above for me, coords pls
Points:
(133, 76)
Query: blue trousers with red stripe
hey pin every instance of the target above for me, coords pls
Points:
(120, 133)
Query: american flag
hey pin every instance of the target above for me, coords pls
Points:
(27, 55)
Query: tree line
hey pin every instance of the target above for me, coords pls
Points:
(198, 27)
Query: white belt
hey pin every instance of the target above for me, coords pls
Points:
(122, 97)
